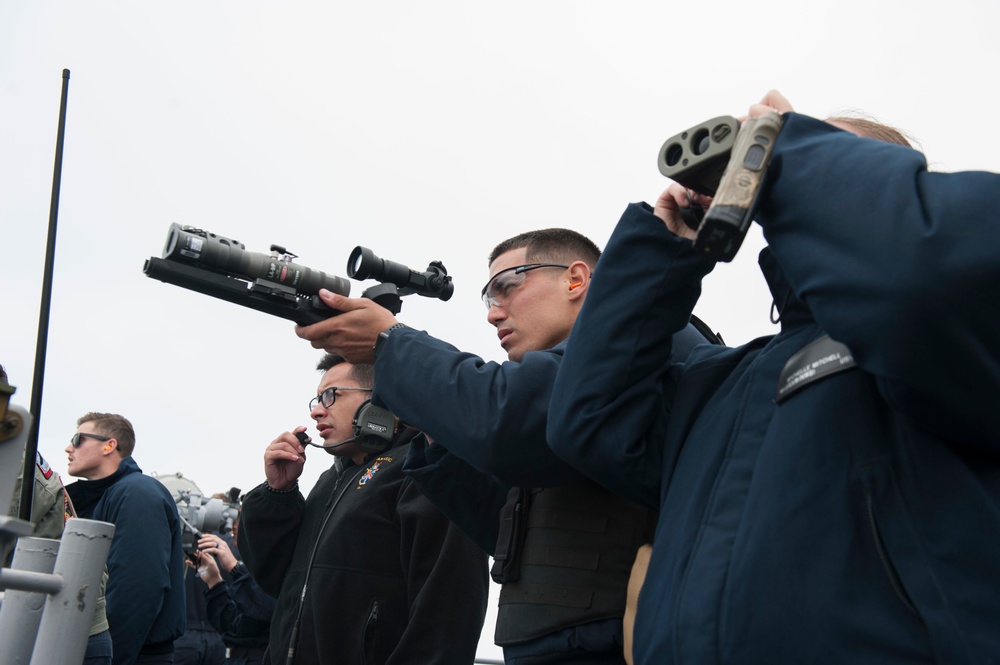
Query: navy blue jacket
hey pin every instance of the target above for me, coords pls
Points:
(145, 590)
(858, 519)
(487, 419)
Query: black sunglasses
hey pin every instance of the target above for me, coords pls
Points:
(76, 439)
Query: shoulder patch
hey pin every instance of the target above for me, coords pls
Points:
(43, 466)
(372, 470)
(816, 361)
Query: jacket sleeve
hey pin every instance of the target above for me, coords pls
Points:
(229, 616)
(469, 498)
(490, 415)
(610, 405)
(249, 598)
(899, 264)
(447, 586)
(48, 512)
(138, 565)
(269, 527)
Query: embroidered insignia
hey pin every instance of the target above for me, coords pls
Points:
(372, 470)
(43, 466)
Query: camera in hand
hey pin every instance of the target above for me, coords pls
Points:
(728, 161)
(273, 283)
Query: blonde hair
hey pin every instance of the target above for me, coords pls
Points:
(869, 127)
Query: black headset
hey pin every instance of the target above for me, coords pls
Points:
(374, 430)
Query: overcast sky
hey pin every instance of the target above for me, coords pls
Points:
(425, 131)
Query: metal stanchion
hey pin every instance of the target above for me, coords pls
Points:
(68, 614)
(21, 611)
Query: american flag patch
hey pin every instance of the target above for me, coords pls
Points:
(43, 466)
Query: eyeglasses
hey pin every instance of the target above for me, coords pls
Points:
(505, 282)
(77, 439)
(329, 396)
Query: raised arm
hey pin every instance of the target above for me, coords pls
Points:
(492, 415)
(269, 528)
(899, 264)
(608, 413)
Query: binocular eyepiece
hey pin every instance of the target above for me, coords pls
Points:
(697, 157)
(433, 283)
(727, 161)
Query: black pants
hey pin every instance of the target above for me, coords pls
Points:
(199, 647)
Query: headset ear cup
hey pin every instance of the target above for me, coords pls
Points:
(374, 428)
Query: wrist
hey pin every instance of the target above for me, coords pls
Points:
(291, 488)
(384, 335)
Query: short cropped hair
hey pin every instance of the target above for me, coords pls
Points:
(113, 425)
(364, 374)
(551, 245)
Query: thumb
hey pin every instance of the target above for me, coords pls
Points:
(339, 302)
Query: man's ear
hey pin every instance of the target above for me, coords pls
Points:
(579, 280)
(110, 444)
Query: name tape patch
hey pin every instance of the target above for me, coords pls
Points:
(820, 359)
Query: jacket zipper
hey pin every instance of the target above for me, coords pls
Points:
(368, 634)
(894, 580)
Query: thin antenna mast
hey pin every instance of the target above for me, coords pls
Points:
(31, 445)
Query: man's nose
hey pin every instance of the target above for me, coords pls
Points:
(496, 314)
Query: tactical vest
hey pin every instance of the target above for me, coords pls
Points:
(564, 556)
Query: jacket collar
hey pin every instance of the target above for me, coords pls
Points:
(86, 493)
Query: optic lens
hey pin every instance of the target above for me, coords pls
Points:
(700, 142)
